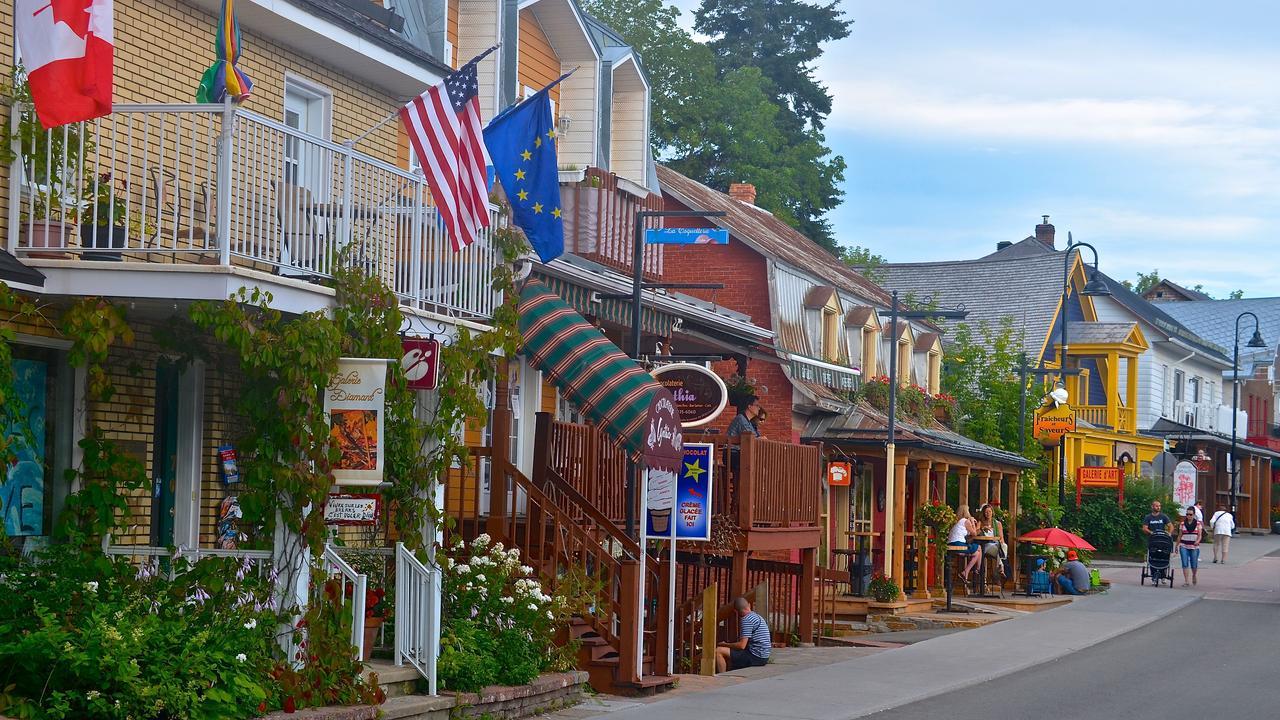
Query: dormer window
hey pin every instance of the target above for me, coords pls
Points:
(830, 335)
(863, 330)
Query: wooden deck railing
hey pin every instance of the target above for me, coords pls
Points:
(781, 482)
(1097, 415)
(588, 461)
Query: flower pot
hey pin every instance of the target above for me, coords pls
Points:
(371, 627)
(43, 234)
(106, 237)
(1275, 527)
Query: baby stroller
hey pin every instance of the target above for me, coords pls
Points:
(1159, 548)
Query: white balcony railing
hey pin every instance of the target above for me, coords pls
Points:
(1208, 416)
(221, 185)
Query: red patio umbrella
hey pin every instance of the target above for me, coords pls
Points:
(1056, 537)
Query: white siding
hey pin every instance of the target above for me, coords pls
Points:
(579, 95)
(629, 127)
(478, 22)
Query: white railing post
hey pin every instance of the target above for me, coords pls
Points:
(359, 585)
(15, 176)
(223, 190)
(418, 590)
(347, 235)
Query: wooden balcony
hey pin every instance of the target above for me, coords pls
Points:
(1125, 420)
(600, 220)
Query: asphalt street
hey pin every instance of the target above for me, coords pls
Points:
(1213, 659)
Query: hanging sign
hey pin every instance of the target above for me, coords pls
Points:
(693, 493)
(1184, 484)
(686, 236)
(1050, 425)
(663, 439)
(1203, 462)
(660, 503)
(228, 464)
(839, 474)
(344, 509)
(355, 401)
(421, 363)
(700, 394)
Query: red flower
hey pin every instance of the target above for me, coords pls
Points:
(289, 705)
(262, 706)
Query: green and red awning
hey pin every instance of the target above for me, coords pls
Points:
(608, 387)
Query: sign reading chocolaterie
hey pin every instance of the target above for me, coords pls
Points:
(700, 394)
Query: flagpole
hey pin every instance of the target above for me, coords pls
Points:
(356, 140)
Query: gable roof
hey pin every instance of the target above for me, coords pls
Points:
(1100, 333)
(1155, 314)
(760, 230)
(926, 341)
(1026, 247)
(1026, 288)
(1186, 292)
(859, 316)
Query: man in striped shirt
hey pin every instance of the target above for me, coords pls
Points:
(750, 650)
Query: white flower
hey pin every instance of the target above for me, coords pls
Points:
(482, 540)
(551, 615)
(463, 568)
(513, 554)
(497, 548)
(253, 623)
(93, 694)
(533, 607)
(91, 586)
(242, 657)
(508, 600)
(526, 570)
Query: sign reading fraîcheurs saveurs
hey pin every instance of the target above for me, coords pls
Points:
(355, 401)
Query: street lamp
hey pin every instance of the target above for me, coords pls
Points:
(1254, 342)
(889, 446)
(1093, 287)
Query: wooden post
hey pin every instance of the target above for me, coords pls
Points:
(1012, 530)
(808, 576)
(662, 619)
(746, 484)
(738, 575)
(941, 470)
(710, 608)
(923, 468)
(984, 487)
(962, 476)
(632, 622)
(1113, 391)
(501, 453)
(898, 523)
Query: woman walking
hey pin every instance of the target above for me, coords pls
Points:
(1191, 532)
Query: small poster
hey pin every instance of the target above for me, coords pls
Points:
(23, 480)
(693, 493)
(345, 509)
(1184, 484)
(660, 503)
(355, 402)
(228, 465)
(421, 363)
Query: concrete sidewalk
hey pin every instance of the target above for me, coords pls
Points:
(862, 686)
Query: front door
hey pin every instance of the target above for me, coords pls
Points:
(164, 454)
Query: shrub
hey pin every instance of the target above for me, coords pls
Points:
(882, 589)
(1111, 528)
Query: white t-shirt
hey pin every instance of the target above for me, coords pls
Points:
(959, 532)
(1199, 514)
(1222, 523)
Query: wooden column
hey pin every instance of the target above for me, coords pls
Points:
(1012, 530)
(898, 523)
(1112, 383)
(808, 576)
(998, 492)
(940, 471)
(962, 476)
(1131, 394)
(984, 487)
(923, 468)
(501, 454)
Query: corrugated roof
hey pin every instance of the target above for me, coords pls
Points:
(759, 229)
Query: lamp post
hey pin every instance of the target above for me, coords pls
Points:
(890, 494)
(1094, 287)
(1254, 342)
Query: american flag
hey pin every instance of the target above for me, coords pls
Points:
(444, 129)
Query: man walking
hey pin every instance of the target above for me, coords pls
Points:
(1223, 525)
(752, 648)
(1156, 521)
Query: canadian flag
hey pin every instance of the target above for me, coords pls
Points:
(67, 51)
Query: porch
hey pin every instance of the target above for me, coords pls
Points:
(220, 189)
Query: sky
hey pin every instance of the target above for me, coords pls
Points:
(1149, 130)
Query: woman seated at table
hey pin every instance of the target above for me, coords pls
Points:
(989, 526)
(959, 539)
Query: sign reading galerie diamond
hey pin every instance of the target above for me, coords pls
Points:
(421, 363)
(355, 400)
(700, 394)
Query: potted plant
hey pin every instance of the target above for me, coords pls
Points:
(48, 171)
(375, 612)
(883, 589)
(1275, 520)
(102, 217)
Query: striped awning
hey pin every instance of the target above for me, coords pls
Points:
(611, 310)
(608, 387)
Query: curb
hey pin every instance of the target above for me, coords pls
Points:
(1004, 672)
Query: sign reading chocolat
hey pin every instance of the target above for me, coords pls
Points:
(700, 394)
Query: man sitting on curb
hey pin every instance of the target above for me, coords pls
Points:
(1073, 576)
(750, 650)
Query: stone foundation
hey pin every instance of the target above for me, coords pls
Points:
(548, 692)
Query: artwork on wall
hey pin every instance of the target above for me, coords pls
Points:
(23, 492)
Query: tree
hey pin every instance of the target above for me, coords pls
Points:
(723, 125)
(1236, 295)
(981, 372)
(1145, 282)
(863, 260)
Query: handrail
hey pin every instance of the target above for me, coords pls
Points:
(359, 586)
(629, 545)
(417, 614)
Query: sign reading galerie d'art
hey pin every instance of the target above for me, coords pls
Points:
(355, 401)
(700, 394)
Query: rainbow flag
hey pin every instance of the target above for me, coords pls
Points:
(223, 78)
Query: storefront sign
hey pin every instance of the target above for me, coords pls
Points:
(1109, 477)
(1203, 462)
(355, 401)
(693, 493)
(421, 363)
(1052, 424)
(664, 438)
(342, 509)
(1184, 484)
(839, 474)
(686, 236)
(700, 394)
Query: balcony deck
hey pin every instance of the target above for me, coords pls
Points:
(213, 186)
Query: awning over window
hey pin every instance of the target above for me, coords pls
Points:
(608, 387)
(618, 312)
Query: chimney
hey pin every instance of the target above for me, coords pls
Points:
(744, 192)
(1044, 233)
(1003, 244)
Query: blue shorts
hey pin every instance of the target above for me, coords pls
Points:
(963, 548)
(1190, 557)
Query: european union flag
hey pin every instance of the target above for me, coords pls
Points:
(522, 147)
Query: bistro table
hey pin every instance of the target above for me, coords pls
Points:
(983, 541)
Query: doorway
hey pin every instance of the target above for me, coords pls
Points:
(164, 454)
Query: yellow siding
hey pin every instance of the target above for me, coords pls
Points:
(451, 30)
(538, 65)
